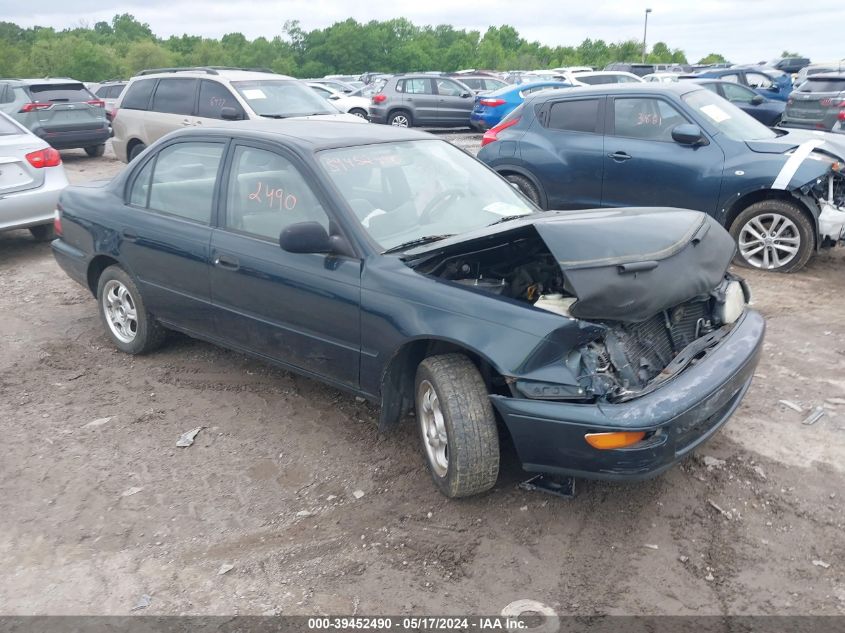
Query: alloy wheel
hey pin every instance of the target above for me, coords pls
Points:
(769, 240)
(121, 313)
(433, 428)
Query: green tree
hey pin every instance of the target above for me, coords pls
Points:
(144, 55)
(712, 58)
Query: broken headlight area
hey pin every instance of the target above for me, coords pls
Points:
(635, 358)
(829, 193)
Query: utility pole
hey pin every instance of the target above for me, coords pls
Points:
(645, 32)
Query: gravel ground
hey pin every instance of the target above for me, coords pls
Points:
(99, 508)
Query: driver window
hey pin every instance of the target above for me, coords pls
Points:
(647, 119)
(267, 193)
(738, 94)
(449, 88)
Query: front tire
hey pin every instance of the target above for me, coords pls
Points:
(526, 187)
(399, 118)
(457, 425)
(773, 235)
(131, 328)
(95, 150)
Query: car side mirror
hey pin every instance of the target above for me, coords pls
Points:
(757, 99)
(687, 134)
(334, 97)
(305, 237)
(228, 113)
(465, 95)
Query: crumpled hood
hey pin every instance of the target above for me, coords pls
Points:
(830, 143)
(622, 264)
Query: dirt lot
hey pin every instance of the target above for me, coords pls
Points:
(95, 514)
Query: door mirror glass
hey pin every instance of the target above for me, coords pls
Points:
(228, 113)
(757, 99)
(466, 95)
(687, 134)
(305, 237)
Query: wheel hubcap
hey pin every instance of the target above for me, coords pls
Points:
(400, 121)
(433, 428)
(119, 308)
(769, 240)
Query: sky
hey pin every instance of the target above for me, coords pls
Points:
(741, 30)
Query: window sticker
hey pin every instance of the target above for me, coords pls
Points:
(715, 112)
(254, 93)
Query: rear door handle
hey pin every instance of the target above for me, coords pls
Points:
(186, 121)
(620, 156)
(229, 263)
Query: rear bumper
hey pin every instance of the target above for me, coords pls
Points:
(71, 260)
(377, 115)
(33, 207)
(75, 138)
(678, 417)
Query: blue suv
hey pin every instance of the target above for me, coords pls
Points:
(780, 193)
(768, 82)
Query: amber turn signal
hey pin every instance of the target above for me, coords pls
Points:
(607, 441)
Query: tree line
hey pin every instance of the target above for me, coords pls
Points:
(122, 47)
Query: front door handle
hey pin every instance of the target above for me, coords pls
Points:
(129, 236)
(620, 156)
(227, 262)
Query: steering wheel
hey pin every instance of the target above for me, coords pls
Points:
(452, 193)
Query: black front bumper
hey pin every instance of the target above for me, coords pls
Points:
(677, 417)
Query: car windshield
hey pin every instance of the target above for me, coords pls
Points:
(726, 117)
(282, 98)
(415, 191)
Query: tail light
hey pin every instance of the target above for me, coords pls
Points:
(841, 115)
(112, 115)
(492, 103)
(57, 221)
(47, 157)
(379, 98)
(493, 133)
(827, 102)
(32, 107)
(97, 103)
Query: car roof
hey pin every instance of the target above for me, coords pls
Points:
(678, 88)
(44, 81)
(312, 135)
(210, 72)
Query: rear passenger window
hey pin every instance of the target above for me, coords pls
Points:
(575, 116)
(175, 96)
(213, 98)
(648, 119)
(138, 95)
(267, 193)
(415, 86)
(183, 180)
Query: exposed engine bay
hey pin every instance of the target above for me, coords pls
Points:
(829, 193)
(629, 359)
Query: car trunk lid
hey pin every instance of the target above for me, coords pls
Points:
(71, 108)
(16, 174)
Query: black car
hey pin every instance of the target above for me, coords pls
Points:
(766, 111)
(818, 103)
(641, 70)
(789, 65)
(392, 264)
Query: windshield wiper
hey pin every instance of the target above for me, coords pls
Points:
(425, 239)
(276, 116)
(508, 218)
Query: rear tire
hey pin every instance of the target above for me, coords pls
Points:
(457, 425)
(359, 113)
(131, 328)
(400, 118)
(526, 187)
(773, 235)
(42, 232)
(95, 150)
(136, 149)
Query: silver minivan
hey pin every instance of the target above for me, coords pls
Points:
(157, 102)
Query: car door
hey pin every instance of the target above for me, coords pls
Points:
(454, 102)
(418, 94)
(301, 309)
(172, 108)
(166, 230)
(644, 166)
(570, 139)
(752, 103)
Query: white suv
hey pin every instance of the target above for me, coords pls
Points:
(159, 101)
